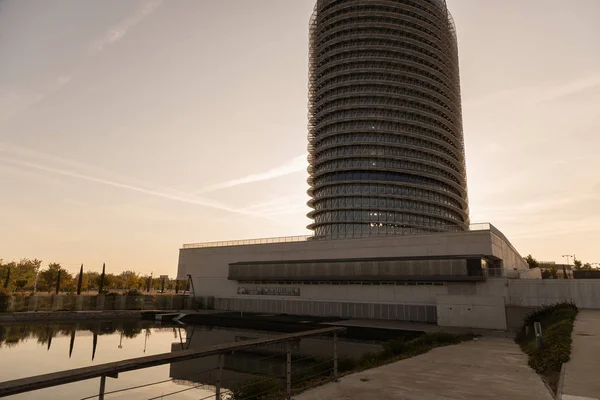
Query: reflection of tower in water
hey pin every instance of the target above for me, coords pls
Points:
(243, 364)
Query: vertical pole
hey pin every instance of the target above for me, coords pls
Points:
(288, 376)
(335, 358)
(102, 387)
(218, 392)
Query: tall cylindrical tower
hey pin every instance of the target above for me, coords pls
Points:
(386, 151)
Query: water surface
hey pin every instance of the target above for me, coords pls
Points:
(34, 349)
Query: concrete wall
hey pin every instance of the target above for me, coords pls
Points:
(346, 309)
(498, 303)
(505, 251)
(585, 293)
(468, 311)
(94, 303)
(399, 294)
(530, 273)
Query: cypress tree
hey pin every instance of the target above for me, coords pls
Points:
(101, 286)
(7, 278)
(80, 280)
(58, 282)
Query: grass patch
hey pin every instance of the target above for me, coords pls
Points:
(319, 371)
(557, 325)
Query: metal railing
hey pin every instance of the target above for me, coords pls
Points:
(485, 226)
(244, 242)
(326, 369)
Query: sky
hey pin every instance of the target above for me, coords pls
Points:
(131, 127)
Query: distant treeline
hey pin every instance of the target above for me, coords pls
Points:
(27, 275)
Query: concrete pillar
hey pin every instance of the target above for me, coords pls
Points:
(79, 303)
(169, 302)
(122, 302)
(59, 302)
(100, 303)
(11, 304)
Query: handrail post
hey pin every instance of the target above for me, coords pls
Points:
(335, 358)
(218, 392)
(102, 387)
(288, 376)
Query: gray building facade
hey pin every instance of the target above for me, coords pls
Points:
(386, 150)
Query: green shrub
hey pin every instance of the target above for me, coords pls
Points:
(395, 347)
(556, 348)
(371, 360)
(557, 325)
(257, 388)
(134, 292)
(347, 364)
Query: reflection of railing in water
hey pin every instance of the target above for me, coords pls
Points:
(295, 344)
(112, 370)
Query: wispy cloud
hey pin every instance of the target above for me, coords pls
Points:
(535, 94)
(285, 205)
(586, 225)
(117, 32)
(296, 164)
(38, 161)
(19, 101)
(544, 205)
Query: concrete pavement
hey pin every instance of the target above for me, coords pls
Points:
(489, 368)
(580, 381)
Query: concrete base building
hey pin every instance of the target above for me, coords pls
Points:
(403, 278)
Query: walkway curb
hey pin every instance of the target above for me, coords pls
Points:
(561, 382)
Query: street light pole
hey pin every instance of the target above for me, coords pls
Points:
(569, 255)
(35, 282)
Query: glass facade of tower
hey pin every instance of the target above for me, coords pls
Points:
(386, 150)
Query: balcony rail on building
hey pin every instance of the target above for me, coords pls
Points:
(485, 226)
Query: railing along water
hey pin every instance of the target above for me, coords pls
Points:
(113, 369)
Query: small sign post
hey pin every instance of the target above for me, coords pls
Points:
(538, 335)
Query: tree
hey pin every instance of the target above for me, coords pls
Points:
(27, 269)
(532, 262)
(90, 280)
(58, 282)
(101, 282)
(576, 263)
(7, 279)
(587, 266)
(80, 280)
(20, 284)
(49, 278)
(131, 280)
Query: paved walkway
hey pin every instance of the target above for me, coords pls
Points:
(581, 380)
(490, 368)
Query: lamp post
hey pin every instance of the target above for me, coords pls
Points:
(37, 274)
(569, 255)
